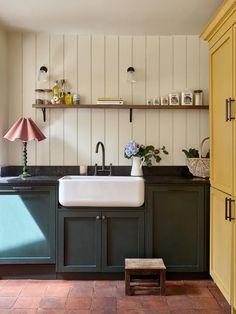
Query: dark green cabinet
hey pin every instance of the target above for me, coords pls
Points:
(27, 233)
(98, 240)
(178, 220)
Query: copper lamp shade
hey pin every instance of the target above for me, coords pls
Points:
(25, 130)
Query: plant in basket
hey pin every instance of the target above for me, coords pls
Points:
(198, 165)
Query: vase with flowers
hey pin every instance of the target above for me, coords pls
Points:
(141, 154)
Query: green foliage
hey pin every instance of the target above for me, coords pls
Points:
(191, 153)
(150, 152)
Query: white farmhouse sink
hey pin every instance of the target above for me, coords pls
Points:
(101, 191)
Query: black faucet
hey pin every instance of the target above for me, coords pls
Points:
(103, 167)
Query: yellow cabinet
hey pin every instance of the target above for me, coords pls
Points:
(221, 241)
(221, 36)
(221, 112)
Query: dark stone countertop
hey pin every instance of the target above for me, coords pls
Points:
(49, 175)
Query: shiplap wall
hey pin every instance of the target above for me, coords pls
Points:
(96, 66)
(3, 95)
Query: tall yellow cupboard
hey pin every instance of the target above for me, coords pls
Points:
(221, 36)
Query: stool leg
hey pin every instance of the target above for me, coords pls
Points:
(127, 283)
(163, 282)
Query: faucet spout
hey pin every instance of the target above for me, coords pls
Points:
(103, 153)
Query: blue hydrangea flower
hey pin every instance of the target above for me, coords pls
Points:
(131, 149)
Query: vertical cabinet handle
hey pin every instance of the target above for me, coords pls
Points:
(226, 208)
(226, 110)
(230, 100)
(230, 209)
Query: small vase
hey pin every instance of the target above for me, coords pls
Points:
(137, 163)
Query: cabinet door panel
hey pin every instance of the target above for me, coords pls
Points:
(122, 237)
(179, 223)
(220, 243)
(79, 241)
(27, 233)
(221, 65)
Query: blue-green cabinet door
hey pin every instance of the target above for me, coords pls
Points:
(27, 225)
(79, 241)
(178, 226)
(122, 237)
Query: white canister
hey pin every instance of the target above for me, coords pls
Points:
(187, 98)
(198, 97)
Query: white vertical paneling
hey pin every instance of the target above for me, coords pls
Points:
(139, 92)
(70, 116)
(42, 58)
(95, 67)
(111, 90)
(29, 73)
(192, 127)
(166, 75)
(125, 60)
(84, 89)
(204, 115)
(56, 116)
(179, 84)
(15, 92)
(98, 75)
(152, 89)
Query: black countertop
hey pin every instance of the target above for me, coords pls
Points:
(46, 175)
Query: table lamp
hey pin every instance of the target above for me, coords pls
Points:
(25, 130)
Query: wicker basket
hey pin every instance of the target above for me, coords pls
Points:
(199, 167)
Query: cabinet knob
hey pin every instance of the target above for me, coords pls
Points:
(98, 217)
(104, 217)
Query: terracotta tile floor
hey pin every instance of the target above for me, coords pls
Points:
(108, 297)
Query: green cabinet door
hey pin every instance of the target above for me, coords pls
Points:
(122, 237)
(79, 241)
(27, 220)
(179, 226)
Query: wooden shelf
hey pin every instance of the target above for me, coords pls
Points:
(130, 107)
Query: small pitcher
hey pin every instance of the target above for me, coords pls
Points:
(137, 164)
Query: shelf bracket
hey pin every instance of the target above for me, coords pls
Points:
(44, 114)
(130, 115)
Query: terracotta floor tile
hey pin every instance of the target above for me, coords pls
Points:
(174, 283)
(14, 283)
(105, 283)
(99, 303)
(82, 283)
(154, 303)
(52, 303)
(4, 311)
(198, 291)
(78, 291)
(204, 303)
(104, 311)
(23, 311)
(176, 290)
(7, 302)
(201, 283)
(10, 291)
(50, 311)
(77, 312)
(105, 291)
(125, 311)
(33, 290)
(184, 311)
(78, 303)
(132, 303)
(180, 302)
(57, 291)
(27, 303)
(210, 312)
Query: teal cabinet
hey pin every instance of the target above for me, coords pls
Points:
(178, 226)
(27, 233)
(98, 240)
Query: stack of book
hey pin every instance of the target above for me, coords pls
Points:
(110, 101)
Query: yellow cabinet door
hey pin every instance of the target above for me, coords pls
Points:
(221, 133)
(221, 244)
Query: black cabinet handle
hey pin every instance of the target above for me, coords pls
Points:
(226, 110)
(22, 188)
(230, 108)
(230, 209)
(226, 208)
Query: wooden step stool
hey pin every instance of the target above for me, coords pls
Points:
(140, 267)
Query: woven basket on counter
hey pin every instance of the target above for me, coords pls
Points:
(199, 167)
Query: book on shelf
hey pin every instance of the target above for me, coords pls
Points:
(110, 102)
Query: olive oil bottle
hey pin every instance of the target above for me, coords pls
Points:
(56, 91)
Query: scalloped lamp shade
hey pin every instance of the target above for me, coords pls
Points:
(25, 130)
